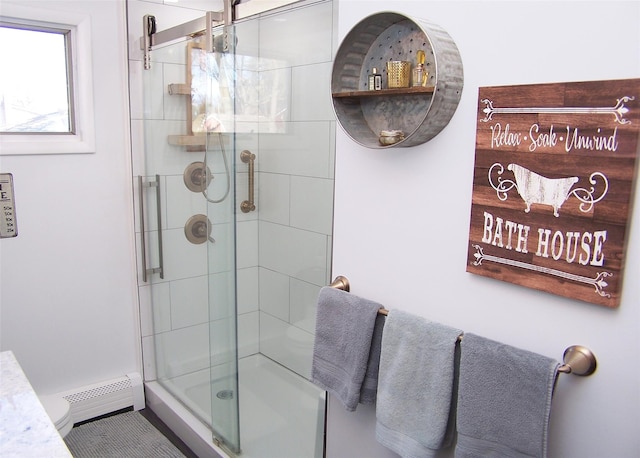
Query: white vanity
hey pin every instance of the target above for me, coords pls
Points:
(25, 427)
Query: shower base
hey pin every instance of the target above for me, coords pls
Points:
(281, 413)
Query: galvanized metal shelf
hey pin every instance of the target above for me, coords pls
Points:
(419, 112)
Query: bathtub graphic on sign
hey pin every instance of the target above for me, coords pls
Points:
(537, 189)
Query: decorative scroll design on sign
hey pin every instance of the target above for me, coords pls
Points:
(537, 189)
(598, 283)
(619, 110)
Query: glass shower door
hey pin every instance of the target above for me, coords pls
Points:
(283, 115)
(217, 117)
(187, 211)
(236, 260)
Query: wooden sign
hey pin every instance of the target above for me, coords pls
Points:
(553, 180)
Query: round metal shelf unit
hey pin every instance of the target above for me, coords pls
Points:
(419, 112)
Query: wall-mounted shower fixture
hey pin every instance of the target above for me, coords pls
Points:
(196, 179)
(226, 169)
(197, 229)
(249, 158)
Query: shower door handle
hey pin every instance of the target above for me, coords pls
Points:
(249, 158)
(143, 238)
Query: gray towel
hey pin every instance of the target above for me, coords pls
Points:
(504, 400)
(415, 385)
(344, 331)
(370, 384)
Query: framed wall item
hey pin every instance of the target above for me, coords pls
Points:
(554, 175)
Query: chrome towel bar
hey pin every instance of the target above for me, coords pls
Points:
(577, 359)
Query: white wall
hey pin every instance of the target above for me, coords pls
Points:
(67, 281)
(402, 219)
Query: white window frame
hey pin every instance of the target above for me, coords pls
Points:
(83, 139)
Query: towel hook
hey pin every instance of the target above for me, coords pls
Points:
(578, 360)
(341, 282)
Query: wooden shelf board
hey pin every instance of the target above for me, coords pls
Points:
(400, 91)
(187, 140)
(179, 89)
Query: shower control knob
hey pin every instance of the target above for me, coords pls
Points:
(195, 178)
(198, 229)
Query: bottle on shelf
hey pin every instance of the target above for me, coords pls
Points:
(418, 72)
(375, 80)
(420, 75)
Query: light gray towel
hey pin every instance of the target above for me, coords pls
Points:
(344, 331)
(504, 400)
(415, 385)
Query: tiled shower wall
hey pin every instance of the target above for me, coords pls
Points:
(284, 247)
(296, 187)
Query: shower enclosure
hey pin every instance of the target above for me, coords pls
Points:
(235, 219)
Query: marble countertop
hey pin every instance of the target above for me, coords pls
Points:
(25, 428)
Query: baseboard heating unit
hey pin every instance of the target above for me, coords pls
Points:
(102, 398)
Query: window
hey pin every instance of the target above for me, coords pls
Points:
(46, 99)
(36, 94)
